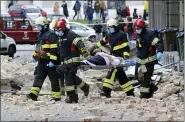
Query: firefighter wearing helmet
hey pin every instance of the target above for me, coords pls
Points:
(118, 42)
(71, 48)
(147, 46)
(46, 53)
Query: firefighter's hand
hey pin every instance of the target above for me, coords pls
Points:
(44, 55)
(159, 56)
(130, 62)
(92, 49)
(51, 64)
(62, 69)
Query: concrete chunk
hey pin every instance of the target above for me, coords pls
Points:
(91, 119)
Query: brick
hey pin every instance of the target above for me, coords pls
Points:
(95, 111)
(91, 119)
(39, 103)
(161, 111)
(152, 119)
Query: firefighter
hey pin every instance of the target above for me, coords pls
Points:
(120, 48)
(46, 53)
(147, 46)
(70, 48)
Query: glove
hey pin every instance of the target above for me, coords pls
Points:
(51, 64)
(93, 48)
(44, 55)
(62, 69)
(130, 62)
(159, 56)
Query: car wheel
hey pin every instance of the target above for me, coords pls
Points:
(92, 38)
(11, 51)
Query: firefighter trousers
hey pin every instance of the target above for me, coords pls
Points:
(62, 83)
(120, 75)
(40, 74)
(145, 80)
(72, 81)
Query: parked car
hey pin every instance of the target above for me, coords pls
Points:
(32, 11)
(21, 30)
(56, 16)
(8, 45)
(83, 30)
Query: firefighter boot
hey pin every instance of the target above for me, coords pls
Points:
(145, 95)
(130, 93)
(32, 96)
(71, 97)
(105, 93)
(153, 88)
(85, 89)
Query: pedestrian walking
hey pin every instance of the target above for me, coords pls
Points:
(65, 10)
(98, 30)
(76, 8)
(90, 12)
(85, 9)
(97, 9)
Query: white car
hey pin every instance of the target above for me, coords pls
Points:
(83, 30)
(8, 45)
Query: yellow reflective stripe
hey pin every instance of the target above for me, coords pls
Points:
(56, 94)
(120, 46)
(155, 41)
(70, 88)
(34, 54)
(83, 49)
(81, 84)
(126, 53)
(128, 88)
(85, 54)
(110, 82)
(53, 57)
(126, 84)
(74, 59)
(48, 54)
(46, 46)
(76, 40)
(147, 60)
(35, 90)
(143, 89)
(108, 85)
(139, 44)
(98, 44)
(53, 46)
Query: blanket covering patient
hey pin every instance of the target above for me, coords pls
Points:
(102, 58)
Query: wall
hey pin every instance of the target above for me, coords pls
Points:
(165, 14)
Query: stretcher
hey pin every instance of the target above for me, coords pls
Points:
(100, 67)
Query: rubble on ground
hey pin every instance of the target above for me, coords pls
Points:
(166, 105)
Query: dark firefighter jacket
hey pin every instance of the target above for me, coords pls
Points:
(47, 47)
(118, 42)
(147, 44)
(71, 47)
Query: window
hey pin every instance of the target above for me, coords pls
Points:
(9, 25)
(24, 25)
(15, 8)
(76, 27)
(32, 10)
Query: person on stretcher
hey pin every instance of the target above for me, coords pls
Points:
(102, 58)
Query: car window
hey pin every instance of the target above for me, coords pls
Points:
(15, 8)
(32, 10)
(9, 25)
(74, 26)
(24, 25)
